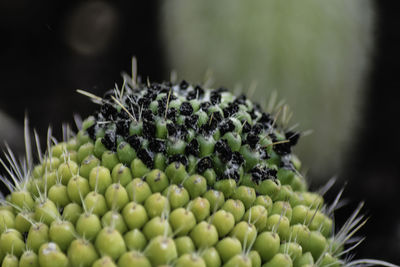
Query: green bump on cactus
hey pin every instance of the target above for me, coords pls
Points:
(190, 260)
(29, 258)
(114, 219)
(228, 248)
(184, 245)
(169, 174)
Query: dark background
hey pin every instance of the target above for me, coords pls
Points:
(48, 49)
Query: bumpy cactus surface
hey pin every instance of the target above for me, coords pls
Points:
(169, 174)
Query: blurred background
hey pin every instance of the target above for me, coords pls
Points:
(335, 63)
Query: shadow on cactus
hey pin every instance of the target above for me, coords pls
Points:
(170, 174)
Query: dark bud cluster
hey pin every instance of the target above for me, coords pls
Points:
(237, 158)
(241, 100)
(92, 131)
(283, 148)
(210, 127)
(199, 91)
(145, 156)
(204, 164)
(192, 148)
(259, 174)
(226, 126)
(223, 150)
(215, 97)
(171, 114)
(191, 121)
(157, 145)
(184, 85)
(178, 158)
(246, 127)
(108, 111)
(123, 127)
(231, 174)
(293, 137)
(149, 129)
(252, 139)
(186, 109)
(231, 110)
(205, 105)
(151, 103)
(109, 140)
(134, 141)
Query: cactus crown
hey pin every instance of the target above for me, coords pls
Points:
(192, 125)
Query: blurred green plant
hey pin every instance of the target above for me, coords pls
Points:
(314, 53)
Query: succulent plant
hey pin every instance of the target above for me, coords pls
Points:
(169, 174)
(283, 46)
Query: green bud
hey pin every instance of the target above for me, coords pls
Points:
(133, 258)
(109, 242)
(196, 185)
(81, 253)
(99, 179)
(161, 250)
(138, 168)
(204, 235)
(138, 190)
(62, 233)
(228, 248)
(115, 220)
(88, 225)
(11, 242)
(38, 235)
(184, 245)
(176, 172)
(125, 153)
(116, 197)
(135, 240)
(157, 180)
(29, 259)
(109, 159)
(72, 212)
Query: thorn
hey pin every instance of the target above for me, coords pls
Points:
(241, 128)
(173, 77)
(211, 117)
(308, 132)
(166, 107)
(370, 262)
(208, 78)
(252, 89)
(28, 145)
(122, 90)
(38, 148)
(322, 191)
(276, 117)
(277, 143)
(272, 101)
(124, 108)
(90, 95)
(78, 121)
(134, 70)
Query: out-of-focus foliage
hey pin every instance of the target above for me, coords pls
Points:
(314, 53)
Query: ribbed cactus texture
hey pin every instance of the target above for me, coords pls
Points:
(169, 174)
(316, 54)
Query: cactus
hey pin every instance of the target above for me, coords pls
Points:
(170, 174)
(315, 53)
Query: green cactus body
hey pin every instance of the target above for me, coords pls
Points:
(168, 174)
